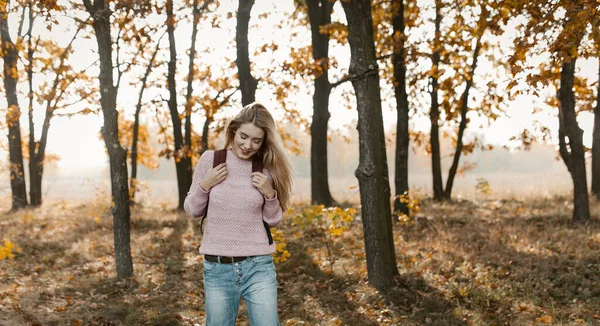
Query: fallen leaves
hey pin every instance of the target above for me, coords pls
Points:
(497, 265)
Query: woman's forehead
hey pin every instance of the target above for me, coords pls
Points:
(251, 130)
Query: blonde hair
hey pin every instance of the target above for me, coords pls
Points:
(271, 151)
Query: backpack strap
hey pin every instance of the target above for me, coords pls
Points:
(220, 158)
(258, 166)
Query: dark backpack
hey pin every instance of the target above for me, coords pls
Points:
(257, 166)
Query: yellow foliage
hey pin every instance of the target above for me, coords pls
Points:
(281, 254)
(544, 320)
(27, 217)
(483, 186)
(146, 154)
(331, 224)
(6, 251)
(412, 201)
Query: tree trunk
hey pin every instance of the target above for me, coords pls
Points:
(183, 162)
(17, 170)
(136, 124)
(319, 13)
(372, 172)
(573, 153)
(402, 135)
(35, 162)
(436, 158)
(596, 145)
(190, 89)
(110, 132)
(247, 82)
(463, 120)
(207, 122)
(37, 150)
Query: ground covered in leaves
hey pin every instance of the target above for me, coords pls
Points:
(468, 262)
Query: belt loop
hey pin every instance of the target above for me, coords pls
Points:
(219, 259)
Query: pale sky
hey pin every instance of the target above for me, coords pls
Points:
(76, 140)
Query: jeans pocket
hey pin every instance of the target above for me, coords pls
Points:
(209, 266)
(262, 260)
(263, 263)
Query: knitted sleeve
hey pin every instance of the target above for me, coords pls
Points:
(196, 199)
(272, 212)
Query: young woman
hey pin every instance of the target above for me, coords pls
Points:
(236, 247)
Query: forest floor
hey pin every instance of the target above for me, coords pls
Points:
(467, 262)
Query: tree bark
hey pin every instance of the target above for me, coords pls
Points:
(463, 120)
(372, 172)
(436, 158)
(596, 145)
(248, 83)
(110, 132)
(136, 124)
(17, 170)
(207, 122)
(573, 153)
(402, 109)
(35, 162)
(190, 88)
(37, 149)
(183, 161)
(319, 13)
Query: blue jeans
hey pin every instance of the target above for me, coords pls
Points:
(254, 279)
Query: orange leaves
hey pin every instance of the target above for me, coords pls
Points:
(544, 320)
(281, 254)
(6, 250)
(12, 115)
(336, 31)
(146, 153)
(48, 4)
(412, 201)
(483, 186)
(331, 225)
(3, 7)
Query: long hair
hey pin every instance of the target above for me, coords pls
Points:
(271, 151)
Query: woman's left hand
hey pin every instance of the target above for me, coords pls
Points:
(262, 182)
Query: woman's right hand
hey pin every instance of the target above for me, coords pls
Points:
(213, 177)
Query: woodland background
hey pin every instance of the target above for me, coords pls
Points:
(388, 110)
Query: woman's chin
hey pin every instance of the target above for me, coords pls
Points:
(244, 156)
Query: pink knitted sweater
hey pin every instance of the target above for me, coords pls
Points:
(233, 225)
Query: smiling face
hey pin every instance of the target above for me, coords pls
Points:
(247, 140)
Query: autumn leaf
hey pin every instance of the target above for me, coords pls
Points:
(544, 319)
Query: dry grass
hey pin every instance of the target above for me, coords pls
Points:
(482, 262)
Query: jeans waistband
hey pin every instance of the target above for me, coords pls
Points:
(225, 259)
